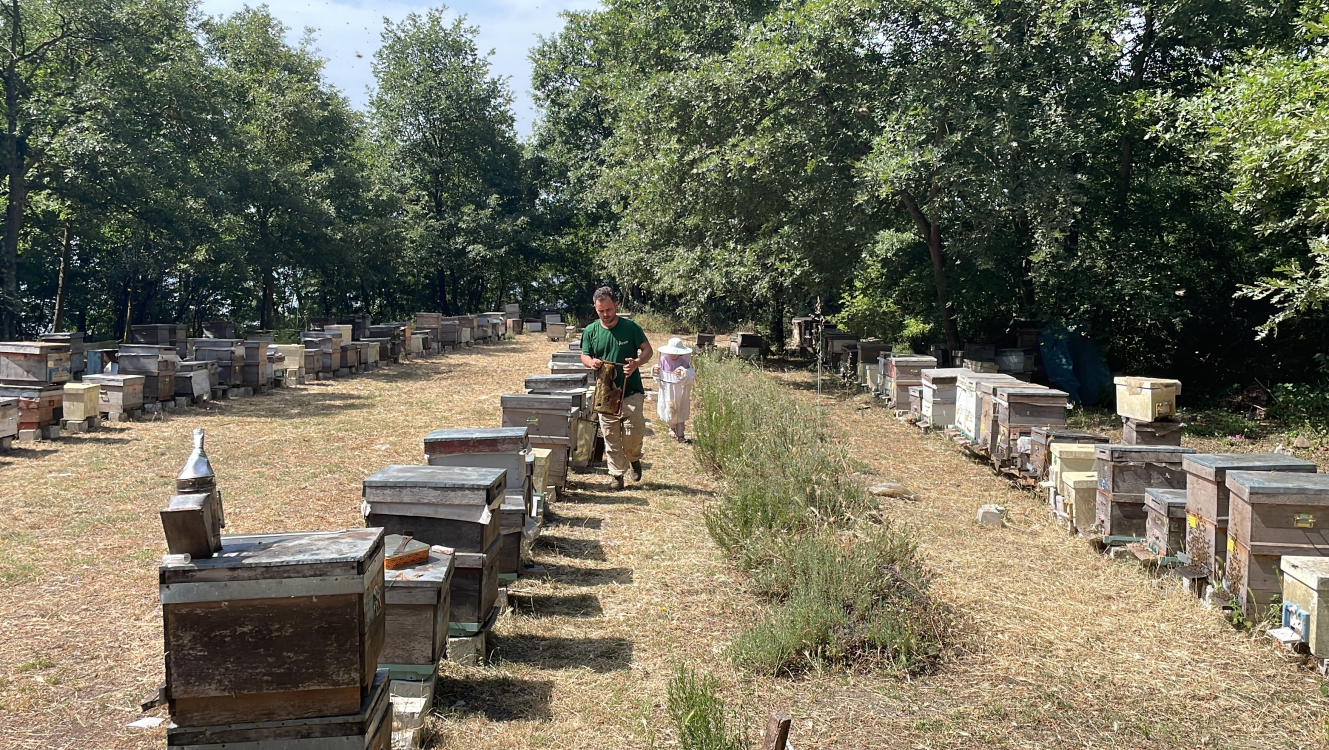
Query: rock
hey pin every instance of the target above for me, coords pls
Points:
(468, 651)
(991, 516)
(1301, 443)
(892, 489)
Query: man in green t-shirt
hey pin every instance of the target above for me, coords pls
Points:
(619, 340)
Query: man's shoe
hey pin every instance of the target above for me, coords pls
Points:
(615, 483)
(636, 471)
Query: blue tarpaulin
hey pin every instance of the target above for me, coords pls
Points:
(1073, 364)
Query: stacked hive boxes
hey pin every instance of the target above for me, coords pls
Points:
(78, 361)
(1147, 407)
(81, 406)
(504, 448)
(938, 396)
(121, 397)
(1271, 514)
(157, 363)
(8, 421)
(554, 327)
(456, 507)
(229, 354)
(1165, 522)
(549, 420)
(328, 353)
(969, 402)
(1043, 438)
(1124, 473)
(431, 323)
(1207, 501)
(193, 380)
(903, 371)
(585, 427)
(35, 374)
(1020, 409)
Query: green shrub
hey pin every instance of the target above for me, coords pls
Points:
(699, 715)
(847, 588)
(1302, 405)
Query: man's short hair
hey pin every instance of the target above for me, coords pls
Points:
(605, 293)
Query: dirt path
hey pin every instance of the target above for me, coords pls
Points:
(1060, 647)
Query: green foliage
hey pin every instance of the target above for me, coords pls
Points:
(699, 715)
(847, 587)
(1302, 405)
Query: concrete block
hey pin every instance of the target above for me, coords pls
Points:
(168, 405)
(468, 651)
(181, 402)
(344, 372)
(72, 426)
(324, 376)
(991, 516)
(502, 601)
(51, 432)
(29, 436)
(152, 407)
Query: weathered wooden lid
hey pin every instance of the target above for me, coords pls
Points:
(1080, 480)
(970, 380)
(538, 401)
(1279, 487)
(1026, 393)
(8, 402)
(32, 347)
(190, 365)
(253, 556)
(109, 379)
(1215, 466)
(1051, 434)
(80, 387)
(941, 375)
(1149, 384)
(1171, 503)
(435, 572)
(1159, 454)
(558, 381)
(1312, 572)
(478, 440)
(208, 343)
(914, 360)
(989, 386)
(441, 477)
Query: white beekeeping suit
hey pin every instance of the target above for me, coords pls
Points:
(675, 376)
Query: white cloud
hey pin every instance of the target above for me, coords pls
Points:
(346, 32)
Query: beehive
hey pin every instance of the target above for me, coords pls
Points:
(1207, 499)
(968, 401)
(8, 417)
(1165, 526)
(1306, 600)
(902, 372)
(939, 395)
(418, 608)
(1078, 490)
(1042, 454)
(1147, 399)
(1271, 514)
(1124, 473)
(276, 627)
(82, 401)
(448, 505)
(34, 362)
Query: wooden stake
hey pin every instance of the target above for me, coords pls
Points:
(777, 731)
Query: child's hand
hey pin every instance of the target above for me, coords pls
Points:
(678, 372)
(655, 371)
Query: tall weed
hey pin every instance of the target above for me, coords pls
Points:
(847, 587)
(699, 715)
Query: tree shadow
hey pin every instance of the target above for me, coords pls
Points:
(551, 605)
(497, 698)
(570, 575)
(680, 489)
(596, 654)
(581, 549)
(604, 498)
(553, 519)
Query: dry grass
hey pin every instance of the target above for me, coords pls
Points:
(1063, 647)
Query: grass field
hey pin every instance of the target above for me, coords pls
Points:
(1056, 646)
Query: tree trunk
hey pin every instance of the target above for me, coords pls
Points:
(14, 174)
(128, 332)
(777, 324)
(267, 320)
(62, 286)
(931, 232)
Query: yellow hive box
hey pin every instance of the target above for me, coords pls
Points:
(540, 480)
(1306, 592)
(1079, 491)
(82, 401)
(1147, 399)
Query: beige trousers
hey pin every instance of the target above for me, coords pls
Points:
(623, 435)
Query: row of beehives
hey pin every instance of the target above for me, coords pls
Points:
(1243, 531)
(65, 383)
(313, 637)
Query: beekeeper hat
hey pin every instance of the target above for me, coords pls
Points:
(675, 348)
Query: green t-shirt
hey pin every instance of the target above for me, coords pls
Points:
(616, 345)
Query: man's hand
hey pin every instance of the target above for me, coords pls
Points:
(591, 362)
(630, 367)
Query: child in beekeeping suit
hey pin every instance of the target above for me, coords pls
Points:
(675, 375)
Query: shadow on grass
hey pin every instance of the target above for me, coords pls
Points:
(570, 575)
(596, 654)
(551, 605)
(581, 549)
(679, 489)
(606, 497)
(553, 519)
(497, 698)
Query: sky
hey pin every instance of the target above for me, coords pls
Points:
(347, 32)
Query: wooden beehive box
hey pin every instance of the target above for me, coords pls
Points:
(369, 728)
(8, 416)
(1306, 590)
(745, 344)
(1165, 525)
(939, 395)
(34, 362)
(383, 348)
(1030, 406)
(329, 357)
(39, 404)
(969, 403)
(1272, 514)
(1207, 499)
(418, 599)
(916, 402)
(1147, 399)
(449, 332)
(554, 383)
(78, 360)
(229, 354)
(155, 333)
(256, 366)
(81, 401)
(508, 440)
(475, 587)
(156, 363)
(1124, 473)
(513, 514)
(1135, 432)
(1043, 439)
(219, 329)
(1079, 492)
(119, 393)
(543, 414)
(193, 378)
(448, 505)
(276, 627)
